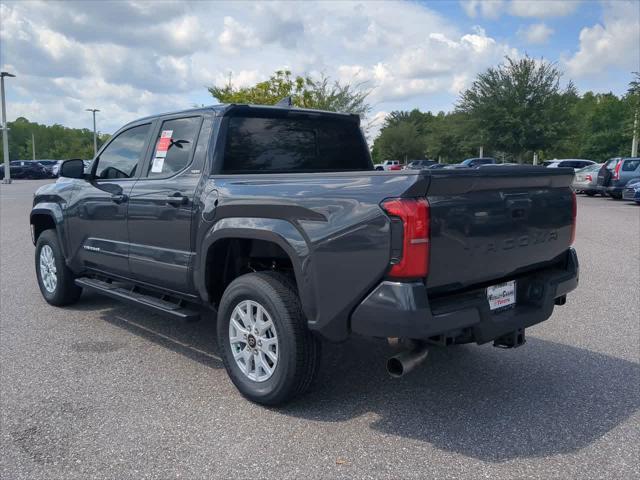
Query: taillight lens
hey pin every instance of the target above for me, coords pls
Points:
(574, 214)
(588, 178)
(413, 261)
(616, 171)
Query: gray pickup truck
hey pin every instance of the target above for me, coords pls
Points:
(275, 219)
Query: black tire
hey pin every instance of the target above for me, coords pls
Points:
(298, 348)
(590, 193)
(66, 291)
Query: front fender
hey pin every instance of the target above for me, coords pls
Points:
(54, 212)
(278, 231)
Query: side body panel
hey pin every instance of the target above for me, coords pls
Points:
(331, 224)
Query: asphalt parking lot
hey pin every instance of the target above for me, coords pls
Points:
(104, 390)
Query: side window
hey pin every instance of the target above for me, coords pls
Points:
(630, 165)
(121, 157)
(174, 146)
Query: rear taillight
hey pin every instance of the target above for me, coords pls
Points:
(616, 171)
(412, 257)
(574, 214)
(588, 178)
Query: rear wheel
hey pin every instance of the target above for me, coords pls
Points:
(591, 193)
(269, 353)
(55, 280)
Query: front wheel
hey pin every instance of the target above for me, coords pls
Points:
(265, 345)
(55, 280)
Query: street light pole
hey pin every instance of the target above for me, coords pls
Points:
(95, 136)
(5, 131)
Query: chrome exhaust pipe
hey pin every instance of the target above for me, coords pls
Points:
(404, 362)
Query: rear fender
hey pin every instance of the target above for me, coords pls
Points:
(278, 231)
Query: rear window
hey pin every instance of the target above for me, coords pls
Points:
(611, 164)
(281, 145)
(630, 165)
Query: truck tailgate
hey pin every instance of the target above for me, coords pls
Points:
(495, 222)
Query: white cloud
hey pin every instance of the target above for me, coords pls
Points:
(537, 33)
(483, 8)
(614, 43)
(130, 59)
(542, 8)
(235, 36)
(493, 9)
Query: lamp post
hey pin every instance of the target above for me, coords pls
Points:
(95, 137)
(5, 130)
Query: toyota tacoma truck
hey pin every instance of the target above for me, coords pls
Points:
(274, 221)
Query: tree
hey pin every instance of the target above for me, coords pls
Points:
(399, 142)
(305, 92)
(53, 142)
(518, 107)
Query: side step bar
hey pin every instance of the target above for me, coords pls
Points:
(131, 295)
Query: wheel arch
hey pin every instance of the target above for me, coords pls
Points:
(277, 236)
(48, 216)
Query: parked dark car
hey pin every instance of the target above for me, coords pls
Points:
(632, 191)
(25, 169)
(616, 173)
(420, 164)
(52, 167)
(275, 221)
(476, 162)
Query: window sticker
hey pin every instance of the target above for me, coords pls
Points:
(163, 143)
(158, 163)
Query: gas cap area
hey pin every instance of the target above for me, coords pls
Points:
(210, 204)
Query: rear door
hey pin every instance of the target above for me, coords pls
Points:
(161, 204)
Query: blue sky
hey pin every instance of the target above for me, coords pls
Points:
(135, 58)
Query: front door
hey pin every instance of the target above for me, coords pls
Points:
(97, 215)
(161, 204)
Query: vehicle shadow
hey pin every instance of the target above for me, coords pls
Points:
(542, 399)
(196, 341)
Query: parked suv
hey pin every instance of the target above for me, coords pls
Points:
(616, 173)
(389, 165)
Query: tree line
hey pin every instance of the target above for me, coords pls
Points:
(52, 142)
(513, 111)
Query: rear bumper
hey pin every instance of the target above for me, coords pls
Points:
(397, 309)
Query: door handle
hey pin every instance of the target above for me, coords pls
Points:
(119, 198)
(177, 199)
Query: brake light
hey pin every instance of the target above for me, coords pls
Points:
(588, 178)
(574, 215)
(616, 171)
(413, 260)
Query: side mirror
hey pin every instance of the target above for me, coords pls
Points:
(72, 168)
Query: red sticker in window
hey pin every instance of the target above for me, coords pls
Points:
(164, 142)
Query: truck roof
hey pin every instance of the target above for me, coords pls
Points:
(224, 108)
